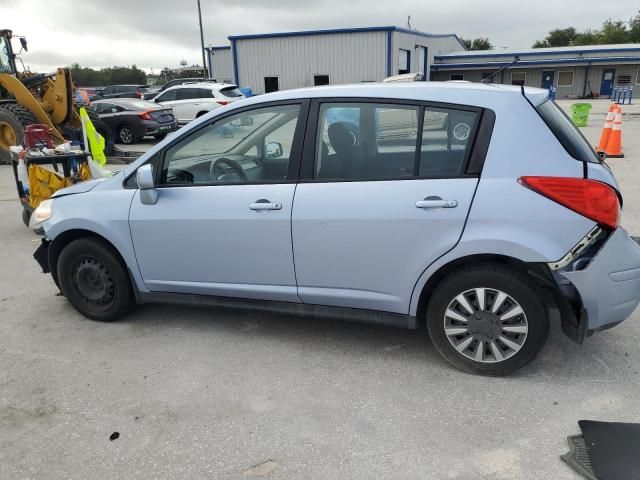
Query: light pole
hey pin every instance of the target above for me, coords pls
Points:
(204, 64)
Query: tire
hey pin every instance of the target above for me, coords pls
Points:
(126, 135)
(101, 127)
(509, 339)
(13, 119)
(160, 136)
(94, 280)
(201, 114)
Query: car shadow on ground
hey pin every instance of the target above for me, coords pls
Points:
(599, 358)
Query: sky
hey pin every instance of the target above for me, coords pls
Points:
(153, 34)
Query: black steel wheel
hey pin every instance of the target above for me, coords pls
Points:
(94, 280)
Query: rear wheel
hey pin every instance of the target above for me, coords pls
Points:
(13, 119)
(94, 280)
(126, 135)
(160, 136)
(487, 319)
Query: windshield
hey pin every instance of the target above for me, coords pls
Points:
(566, 132)
(5, 64)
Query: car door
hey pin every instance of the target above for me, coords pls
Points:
(222, 221)
(106, 92)
(384, 192)
(109, 113)
(188, 104)
(168, 99)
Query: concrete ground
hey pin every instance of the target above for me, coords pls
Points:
(196, 393)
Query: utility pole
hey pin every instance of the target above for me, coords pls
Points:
(204, 63)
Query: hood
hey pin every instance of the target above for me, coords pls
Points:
(82, 187)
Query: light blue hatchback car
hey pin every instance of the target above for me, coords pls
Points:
(476, 209)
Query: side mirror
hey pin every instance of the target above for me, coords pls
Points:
(148, 192)
(23, 44)
(602, 156)
(274, 150)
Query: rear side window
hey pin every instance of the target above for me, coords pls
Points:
(231, 92)
(187, 93)
(368, 141)
(566, 132)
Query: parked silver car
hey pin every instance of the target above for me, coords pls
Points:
(476, 209)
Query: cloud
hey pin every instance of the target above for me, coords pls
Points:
(159, 33)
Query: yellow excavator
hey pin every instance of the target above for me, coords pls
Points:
(27, 98)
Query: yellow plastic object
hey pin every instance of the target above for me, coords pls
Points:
(96, 141)
(44, 183)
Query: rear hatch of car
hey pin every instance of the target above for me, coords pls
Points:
(231, 93)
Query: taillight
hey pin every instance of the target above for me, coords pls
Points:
(595, 200)
(145, 115)
(222, 102)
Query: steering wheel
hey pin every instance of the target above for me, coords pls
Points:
(218, 170)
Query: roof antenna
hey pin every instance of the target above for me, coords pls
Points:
(409, 22)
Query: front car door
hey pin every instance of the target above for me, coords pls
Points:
(222, 222)
(385, 191)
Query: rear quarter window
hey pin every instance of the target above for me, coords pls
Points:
(566, 132)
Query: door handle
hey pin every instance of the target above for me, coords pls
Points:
(263, 204)
(436, 202)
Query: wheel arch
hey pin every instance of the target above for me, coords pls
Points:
(537, 272)
(65, 238)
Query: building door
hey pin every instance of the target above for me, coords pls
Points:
(271, 84)
(606, 86)
(423, 63)
(547, 79)
(320, 80)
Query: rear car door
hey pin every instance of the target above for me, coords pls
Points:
(222, 222)
(385, 190)
(110, 114)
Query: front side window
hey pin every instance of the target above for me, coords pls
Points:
(5, 61)
(367, 141)
(167, 96)
(249, 147)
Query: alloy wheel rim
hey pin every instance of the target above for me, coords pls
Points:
(94, 282)
(486, 325)
(126, 136)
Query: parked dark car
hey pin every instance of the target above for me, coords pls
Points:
(149, 94)
(132, 119)
(122, 91)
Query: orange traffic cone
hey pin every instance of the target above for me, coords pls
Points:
(606, 130)
(614, 146)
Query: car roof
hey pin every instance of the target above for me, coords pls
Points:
(458, 92)
(210, 85)
(126, 102)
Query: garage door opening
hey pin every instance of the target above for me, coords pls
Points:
(270, 84)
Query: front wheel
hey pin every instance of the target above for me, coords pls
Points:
(487, 319)
(94, 280)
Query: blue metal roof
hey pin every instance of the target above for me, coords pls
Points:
(533, 63)
(388, 28)
(532, 52)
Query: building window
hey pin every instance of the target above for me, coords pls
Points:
(270, 84)
(518, 78)
(320, 80)
(565, 79)
(404, 61)
(456, 76)
(624, 79)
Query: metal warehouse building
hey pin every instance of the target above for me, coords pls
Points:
(220, 63)
(280, 61)
(574, 71)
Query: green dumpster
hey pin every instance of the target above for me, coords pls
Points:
(580, 114)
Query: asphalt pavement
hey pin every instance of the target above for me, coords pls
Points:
(214, 394)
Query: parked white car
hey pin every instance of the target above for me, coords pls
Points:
(193, 100)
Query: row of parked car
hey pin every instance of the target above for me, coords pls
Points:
(135, 111)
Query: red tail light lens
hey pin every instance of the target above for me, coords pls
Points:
(139, 94)
(595, 200)
(222, 102)
(145, 115)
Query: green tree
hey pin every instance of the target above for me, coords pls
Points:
(614, 32)
(634, 29)
(558, 37)
(480, 43)
(88, 77)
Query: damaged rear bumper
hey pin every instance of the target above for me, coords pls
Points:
(604, 290)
